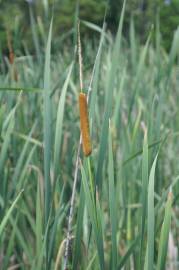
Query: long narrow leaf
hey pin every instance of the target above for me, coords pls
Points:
(151, 220)
(163, 243)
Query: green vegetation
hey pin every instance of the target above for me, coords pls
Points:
(126, 198)
(143, 11)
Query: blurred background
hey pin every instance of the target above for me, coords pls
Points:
(17, 15)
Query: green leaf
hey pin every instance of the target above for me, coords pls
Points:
(19, 89)
(47, 138)
(59, 124)
(112, 204)
(93, 216)
(47, 127)
(144, 196)
(163, 242)
(128, 254)
(109, 99)
(8, 214)
(151, 218)
(79, 226)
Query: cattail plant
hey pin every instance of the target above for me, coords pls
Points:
(70, 218)
(14, 74)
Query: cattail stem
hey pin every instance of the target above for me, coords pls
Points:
(80, 59)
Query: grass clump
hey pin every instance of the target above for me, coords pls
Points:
(123, 214)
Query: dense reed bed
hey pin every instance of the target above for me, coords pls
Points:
(126, 198)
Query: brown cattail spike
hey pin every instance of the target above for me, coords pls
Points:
(84, 123)
(14, 73)
(11, 57)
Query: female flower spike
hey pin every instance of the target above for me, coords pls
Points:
(84, 124)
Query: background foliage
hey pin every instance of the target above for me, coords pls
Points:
(143, 11)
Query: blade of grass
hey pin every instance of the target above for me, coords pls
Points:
(95, 78)
(138, 74)
(144, 196)
(79, 226)
(47, 135)
(19, 89)
(39, 224)
(126, 256)
(140, 151)
(27, 138)
(8, 214)
(10, 247)
(8, 125)
(163, 242)
(112, 203)
(99, 236)
(59, 124)
(151, 218)
(34, 33)
(109, 99)
(93, 216)
(6, 143)
(19, 165)
(47, 127)
(133, 44)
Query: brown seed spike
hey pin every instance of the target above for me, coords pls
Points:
(11, 57)
(84, 124)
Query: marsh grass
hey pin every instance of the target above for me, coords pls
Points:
(122, 213)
